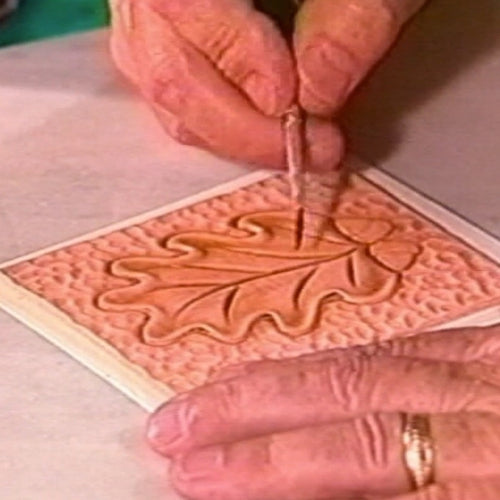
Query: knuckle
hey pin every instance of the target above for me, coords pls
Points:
(374, 443)
(222, 45)
(173, 73)
(344, 379)
(226, 399)
(230, 47)
(163, 88)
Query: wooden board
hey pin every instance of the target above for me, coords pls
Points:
(80, 294)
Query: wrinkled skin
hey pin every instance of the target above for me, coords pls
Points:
(328, 426)
(219, 74)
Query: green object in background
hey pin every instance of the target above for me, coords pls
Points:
(37, 19)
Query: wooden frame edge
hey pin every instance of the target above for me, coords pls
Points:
(82, 344)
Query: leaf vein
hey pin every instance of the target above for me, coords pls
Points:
(313, 262)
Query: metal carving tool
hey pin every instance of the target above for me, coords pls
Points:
(311, 193)
(293, 128)
(283, 13)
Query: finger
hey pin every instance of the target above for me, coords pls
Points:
(464, 345)
(291, 396)
(172, 125)
(178, 78)
(481, 344)
(475, 344)
(121, 30)
(345, 460)
(337, 42)
(302, 464)
(242, 43)
(467, 446)
(485, 489)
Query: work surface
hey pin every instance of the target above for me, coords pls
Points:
(78, 151)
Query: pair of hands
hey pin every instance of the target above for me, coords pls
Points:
(328, 426)
(219, 75)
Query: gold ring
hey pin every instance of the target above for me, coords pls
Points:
(418, 450)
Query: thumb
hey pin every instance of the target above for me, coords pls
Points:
(466, 490)
(338, 42)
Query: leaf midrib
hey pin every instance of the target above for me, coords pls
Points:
(243, 281)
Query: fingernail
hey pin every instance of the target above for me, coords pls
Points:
(203, 462)
(165, 429)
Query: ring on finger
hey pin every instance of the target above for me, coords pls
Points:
(418, 449)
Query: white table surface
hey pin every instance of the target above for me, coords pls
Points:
(79, 151)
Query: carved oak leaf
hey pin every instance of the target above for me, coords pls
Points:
(219, 285)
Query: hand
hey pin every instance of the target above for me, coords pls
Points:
(328, 426)
(219, 76)
(337, 43)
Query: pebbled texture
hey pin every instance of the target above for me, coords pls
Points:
(381, 271)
